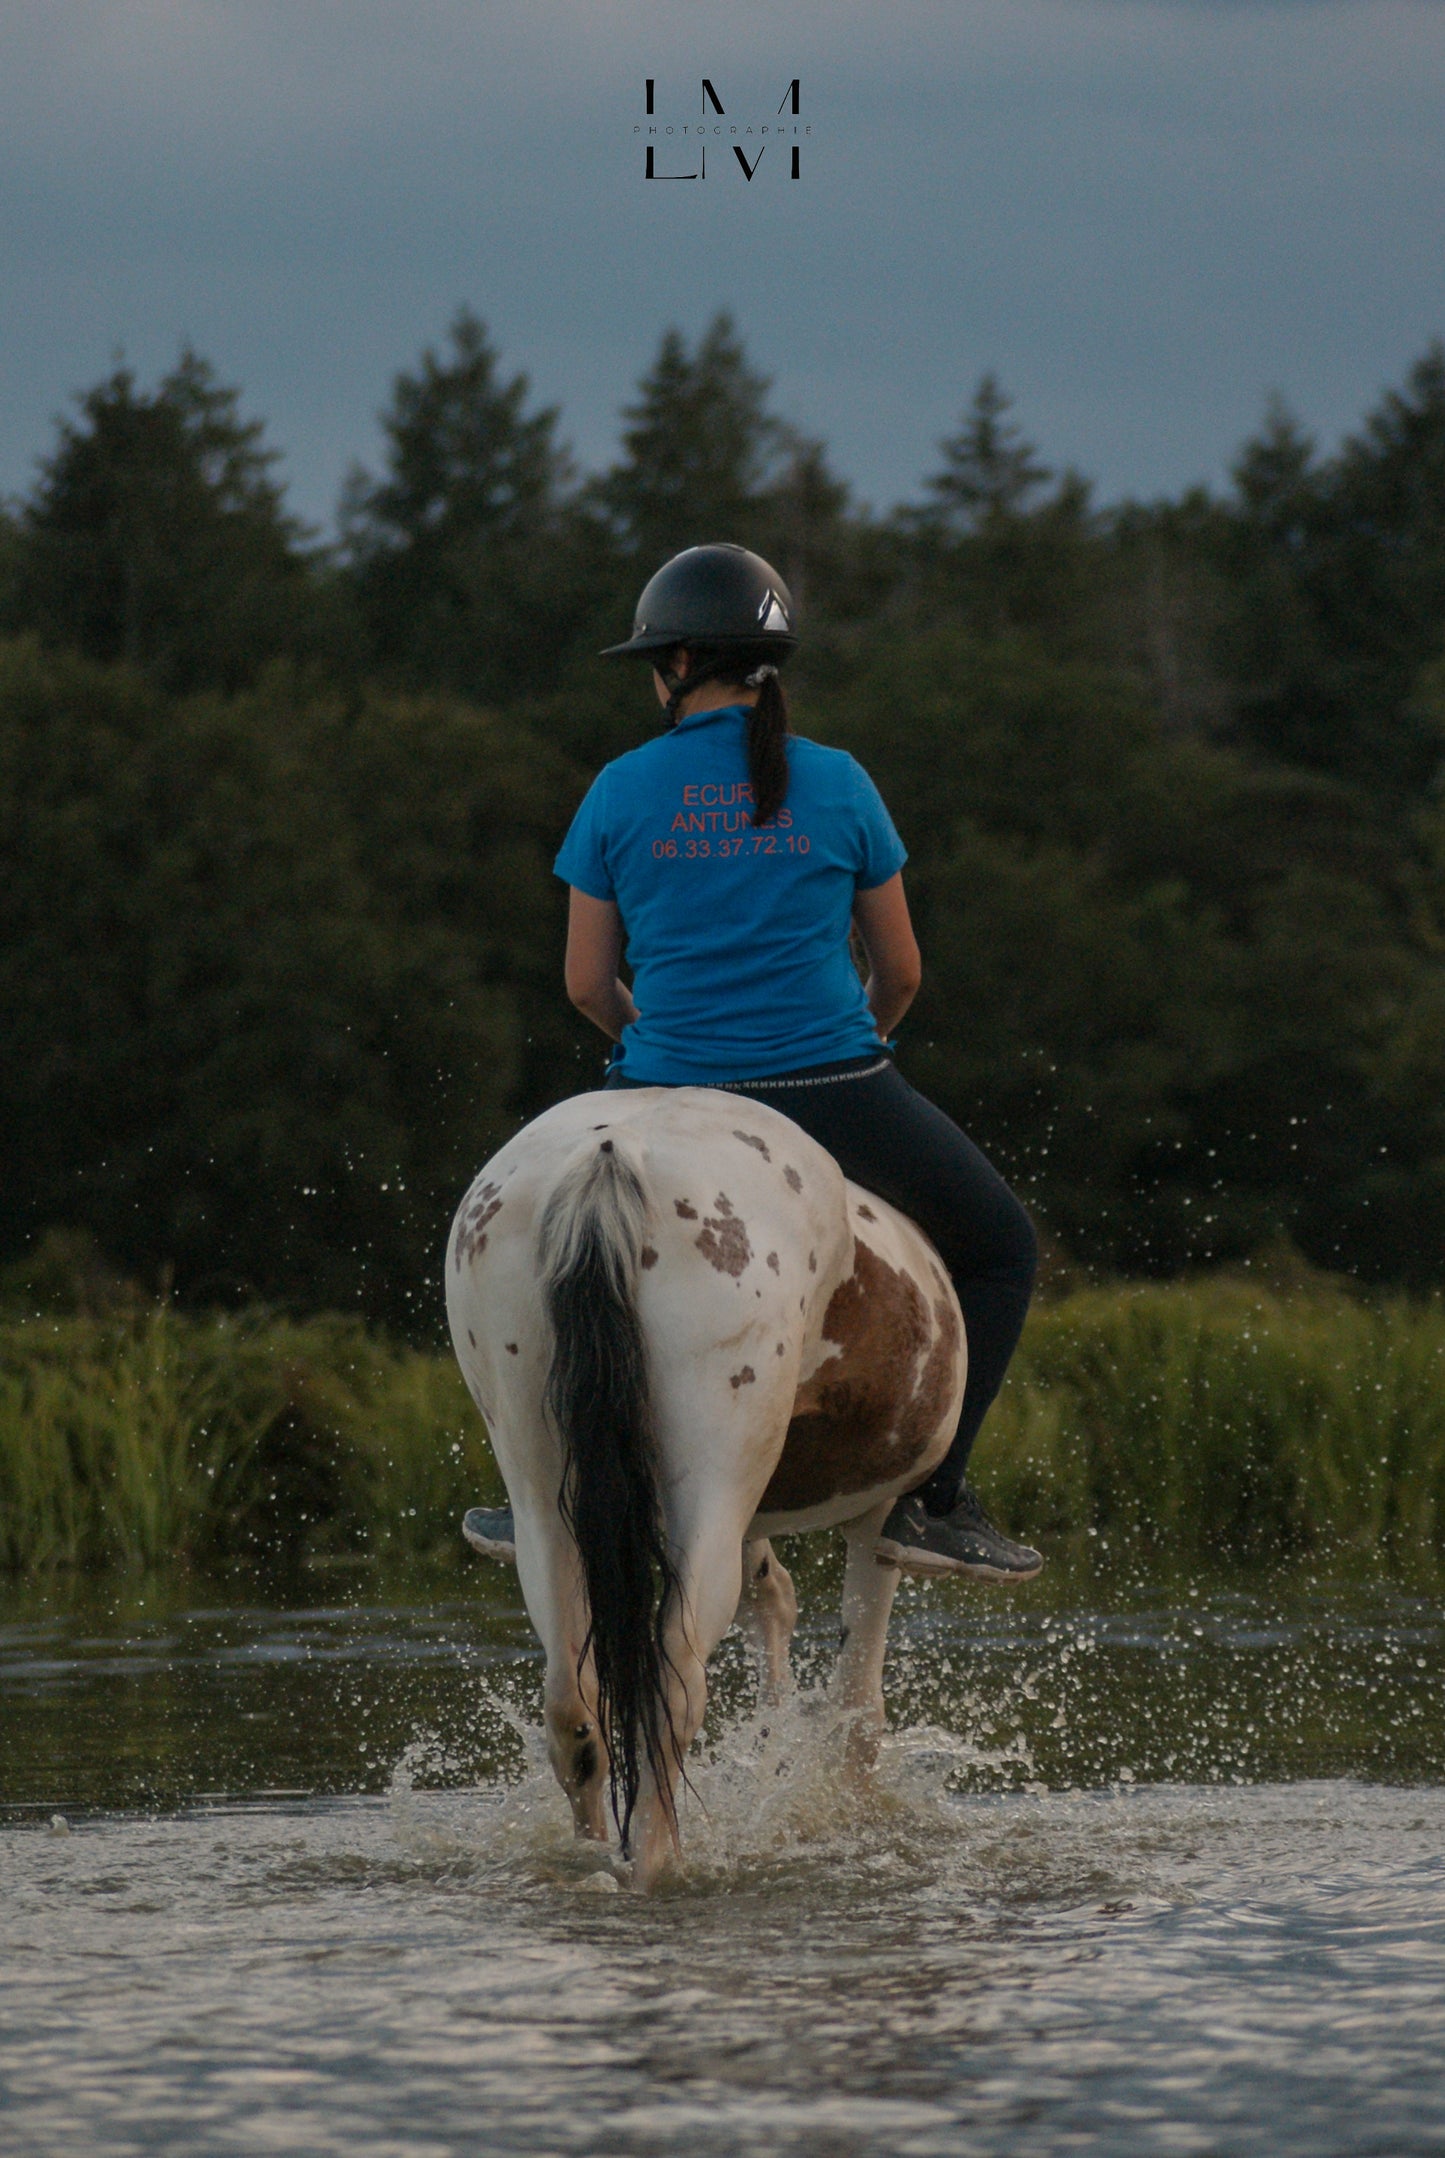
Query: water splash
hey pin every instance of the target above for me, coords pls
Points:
(514, 1817)
(771, 1788)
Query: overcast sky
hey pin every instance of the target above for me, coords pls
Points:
(1145, 215)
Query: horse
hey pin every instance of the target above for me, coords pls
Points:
(687, 1334)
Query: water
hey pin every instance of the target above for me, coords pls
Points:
(1145, 1867)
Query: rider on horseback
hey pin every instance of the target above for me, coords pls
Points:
(733, 857)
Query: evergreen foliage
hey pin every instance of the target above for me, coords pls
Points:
(157, 537)
(1339, 571)
(989, 471)
(466, 570)
(279, 943)
(705, 457)
(700, 446)
(271, 975)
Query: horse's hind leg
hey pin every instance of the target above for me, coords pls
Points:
(868, 1592)
(710, 1569)
(575, 1744)
(767, 1614)
(556, 1602)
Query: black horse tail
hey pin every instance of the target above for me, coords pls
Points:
(591, 1243)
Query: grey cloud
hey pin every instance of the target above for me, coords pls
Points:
(1144, 215)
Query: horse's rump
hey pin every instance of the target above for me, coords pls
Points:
(684, 1328)
(797, 1315)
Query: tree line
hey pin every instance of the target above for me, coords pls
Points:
(279, 942)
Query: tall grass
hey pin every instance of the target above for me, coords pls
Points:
(1213, 1419)
(145, 1438)
(1207, 1420)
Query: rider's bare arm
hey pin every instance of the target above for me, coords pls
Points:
(895, 968)
(594, 947)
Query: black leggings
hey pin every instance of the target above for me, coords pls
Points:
(885, 1136)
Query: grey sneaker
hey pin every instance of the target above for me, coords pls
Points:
(962, 1542)
(489, 1529)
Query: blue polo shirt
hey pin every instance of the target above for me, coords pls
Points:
(737, 937)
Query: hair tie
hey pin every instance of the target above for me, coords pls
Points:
(759, 675)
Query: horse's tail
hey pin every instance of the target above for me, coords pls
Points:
(591, 1243)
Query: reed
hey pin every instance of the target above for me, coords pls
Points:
(147, 1438)
(1216, 1420)
(1209, 1420)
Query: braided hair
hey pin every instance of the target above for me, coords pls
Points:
(767, 721)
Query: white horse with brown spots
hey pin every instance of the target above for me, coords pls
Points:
(687, 1334)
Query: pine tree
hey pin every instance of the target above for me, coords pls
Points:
(701, 448)
(1339, 571)
(991, 544)
(989, 472)
(1274, 473)
(1381, 580)
(459, 554)
(705, 460)
(463, 456)
(157, 536)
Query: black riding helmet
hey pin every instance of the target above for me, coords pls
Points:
(721, 596)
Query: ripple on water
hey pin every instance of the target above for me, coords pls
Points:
(999, 1943)
(1257, 1969)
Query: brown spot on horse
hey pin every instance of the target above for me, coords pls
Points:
(773, 1262)
(868, 1413)
(792, 1178)
(511, 1348)
(866, 1213)
(649, 1256)
(687, 1211)
(471, 1229)
(750, 1138)
(724, 1238)
(746, 1377)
